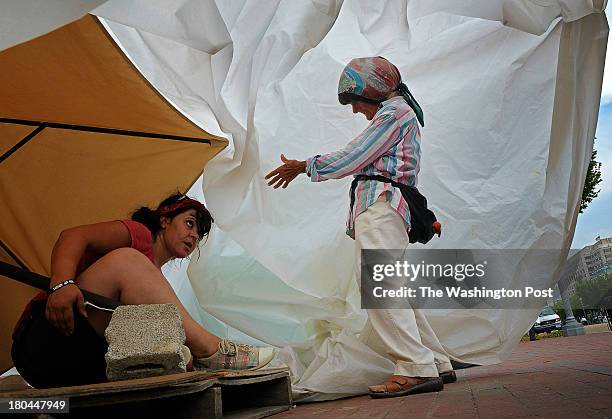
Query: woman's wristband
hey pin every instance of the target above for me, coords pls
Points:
(61, 285)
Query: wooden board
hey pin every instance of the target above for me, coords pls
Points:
(115, 386)
(13, 383)
(256, 373)
(256, 394)
(241, 394)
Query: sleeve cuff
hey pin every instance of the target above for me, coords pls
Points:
(311, 169)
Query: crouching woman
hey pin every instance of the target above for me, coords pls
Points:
(59, 340)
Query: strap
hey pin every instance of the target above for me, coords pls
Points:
(403, 89)
(395, 383)
(398, 379)
(42, 282)
(61, 285)
(384, 179)
(379, 178)
(423, 221)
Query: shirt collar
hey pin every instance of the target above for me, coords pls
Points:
(386, 102)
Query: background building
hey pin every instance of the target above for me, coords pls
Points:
(587, 264)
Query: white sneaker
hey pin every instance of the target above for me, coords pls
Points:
(232, 356)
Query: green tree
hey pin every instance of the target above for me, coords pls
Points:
(593, 178)
(559, 308)
(590, 294)
(594, 291)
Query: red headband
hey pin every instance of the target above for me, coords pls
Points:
(183, 203)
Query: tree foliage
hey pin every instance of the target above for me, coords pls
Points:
(593, 178)
(594, 293)
(590, 295)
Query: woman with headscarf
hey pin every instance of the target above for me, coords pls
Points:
(385, 156)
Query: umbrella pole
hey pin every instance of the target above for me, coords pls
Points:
(42, 282)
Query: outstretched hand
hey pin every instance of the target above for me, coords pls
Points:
(285, 173)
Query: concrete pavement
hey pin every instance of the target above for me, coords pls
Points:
(549, 378)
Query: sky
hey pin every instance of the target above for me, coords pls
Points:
(596, 220)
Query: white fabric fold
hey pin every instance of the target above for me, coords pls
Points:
(509, 121)
(23, 20)
(510, 91)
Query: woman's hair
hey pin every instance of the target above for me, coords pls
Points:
(151, 218)
(345, 98)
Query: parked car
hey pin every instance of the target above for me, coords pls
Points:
(547, 321)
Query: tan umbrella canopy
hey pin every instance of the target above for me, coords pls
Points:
(83, 138)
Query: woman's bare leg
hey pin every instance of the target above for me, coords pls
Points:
(128, 276)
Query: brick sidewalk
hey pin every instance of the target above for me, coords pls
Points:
(552, 378)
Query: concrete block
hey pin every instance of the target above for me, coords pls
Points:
(145, 340)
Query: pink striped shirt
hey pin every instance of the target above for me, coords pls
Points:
(390, 146)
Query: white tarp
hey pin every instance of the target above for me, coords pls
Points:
(510, 118)
(23, 20)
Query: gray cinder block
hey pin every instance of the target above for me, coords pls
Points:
(145, 340)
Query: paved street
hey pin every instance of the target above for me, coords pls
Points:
(551, 378)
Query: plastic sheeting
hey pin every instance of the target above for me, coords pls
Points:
(23, 20)
(511, 114)
(511, 118)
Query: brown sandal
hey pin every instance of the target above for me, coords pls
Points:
(398, 385)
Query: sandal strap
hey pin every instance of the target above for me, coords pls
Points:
(399, 382)
(398, 379)
(395, 383)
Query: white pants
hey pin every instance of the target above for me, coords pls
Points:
(403, 334)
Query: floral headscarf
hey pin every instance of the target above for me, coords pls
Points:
(374, 78)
